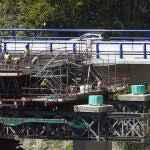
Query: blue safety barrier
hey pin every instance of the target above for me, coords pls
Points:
(30, 36)
(97, 48)
(57, 33)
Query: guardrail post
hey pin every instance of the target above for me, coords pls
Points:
(123, 35)
(79, 34)
(74, 48)
(57, 34)
(14, 34)
(35, 34)
(97, 50)
(146, 35)
(121, 51)
(5, 47)
(144, 50)
(51, 47)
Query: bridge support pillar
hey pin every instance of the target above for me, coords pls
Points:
(89, 145)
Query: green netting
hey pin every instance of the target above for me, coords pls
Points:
(78, 126)
(15, 122)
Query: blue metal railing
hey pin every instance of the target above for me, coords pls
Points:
(49, 36)
(34, 33)
(98, 49)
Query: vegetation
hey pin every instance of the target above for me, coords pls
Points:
(115, 96)
(32, 144)
(102, 14)
(126, 91)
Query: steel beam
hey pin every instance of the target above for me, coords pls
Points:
(79, 126)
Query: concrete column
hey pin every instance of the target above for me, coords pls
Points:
(130, 145)
(91, 145)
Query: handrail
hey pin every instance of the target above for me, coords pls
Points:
(98, 48)
(14, 32)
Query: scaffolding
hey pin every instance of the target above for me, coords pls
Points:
(68, 77)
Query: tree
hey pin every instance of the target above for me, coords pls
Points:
(102, 14)
(38, 14)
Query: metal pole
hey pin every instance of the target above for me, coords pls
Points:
(97, 50)
(121, 51)
(144, 50)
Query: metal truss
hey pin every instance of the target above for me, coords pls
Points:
(80, 126)
(129, 106)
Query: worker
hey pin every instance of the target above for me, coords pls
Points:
(7, 59)
(35, 60)
(7, 56)
(16, 62)
(26, 52)
(44, 83)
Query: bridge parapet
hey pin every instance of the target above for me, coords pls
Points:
(59, 33)
(134, 52)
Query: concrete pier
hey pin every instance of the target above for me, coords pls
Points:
(92, 145)
(132, 97)
(93, 108)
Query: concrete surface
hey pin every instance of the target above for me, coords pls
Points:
(93, 108)
(132, 97)
(90, 145)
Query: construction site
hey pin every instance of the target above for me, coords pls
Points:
(63, 89)
(50, 78)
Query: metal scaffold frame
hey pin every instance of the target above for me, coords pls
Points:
(69, 76)
(65, 73)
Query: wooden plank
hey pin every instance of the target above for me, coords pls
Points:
(9, 74)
